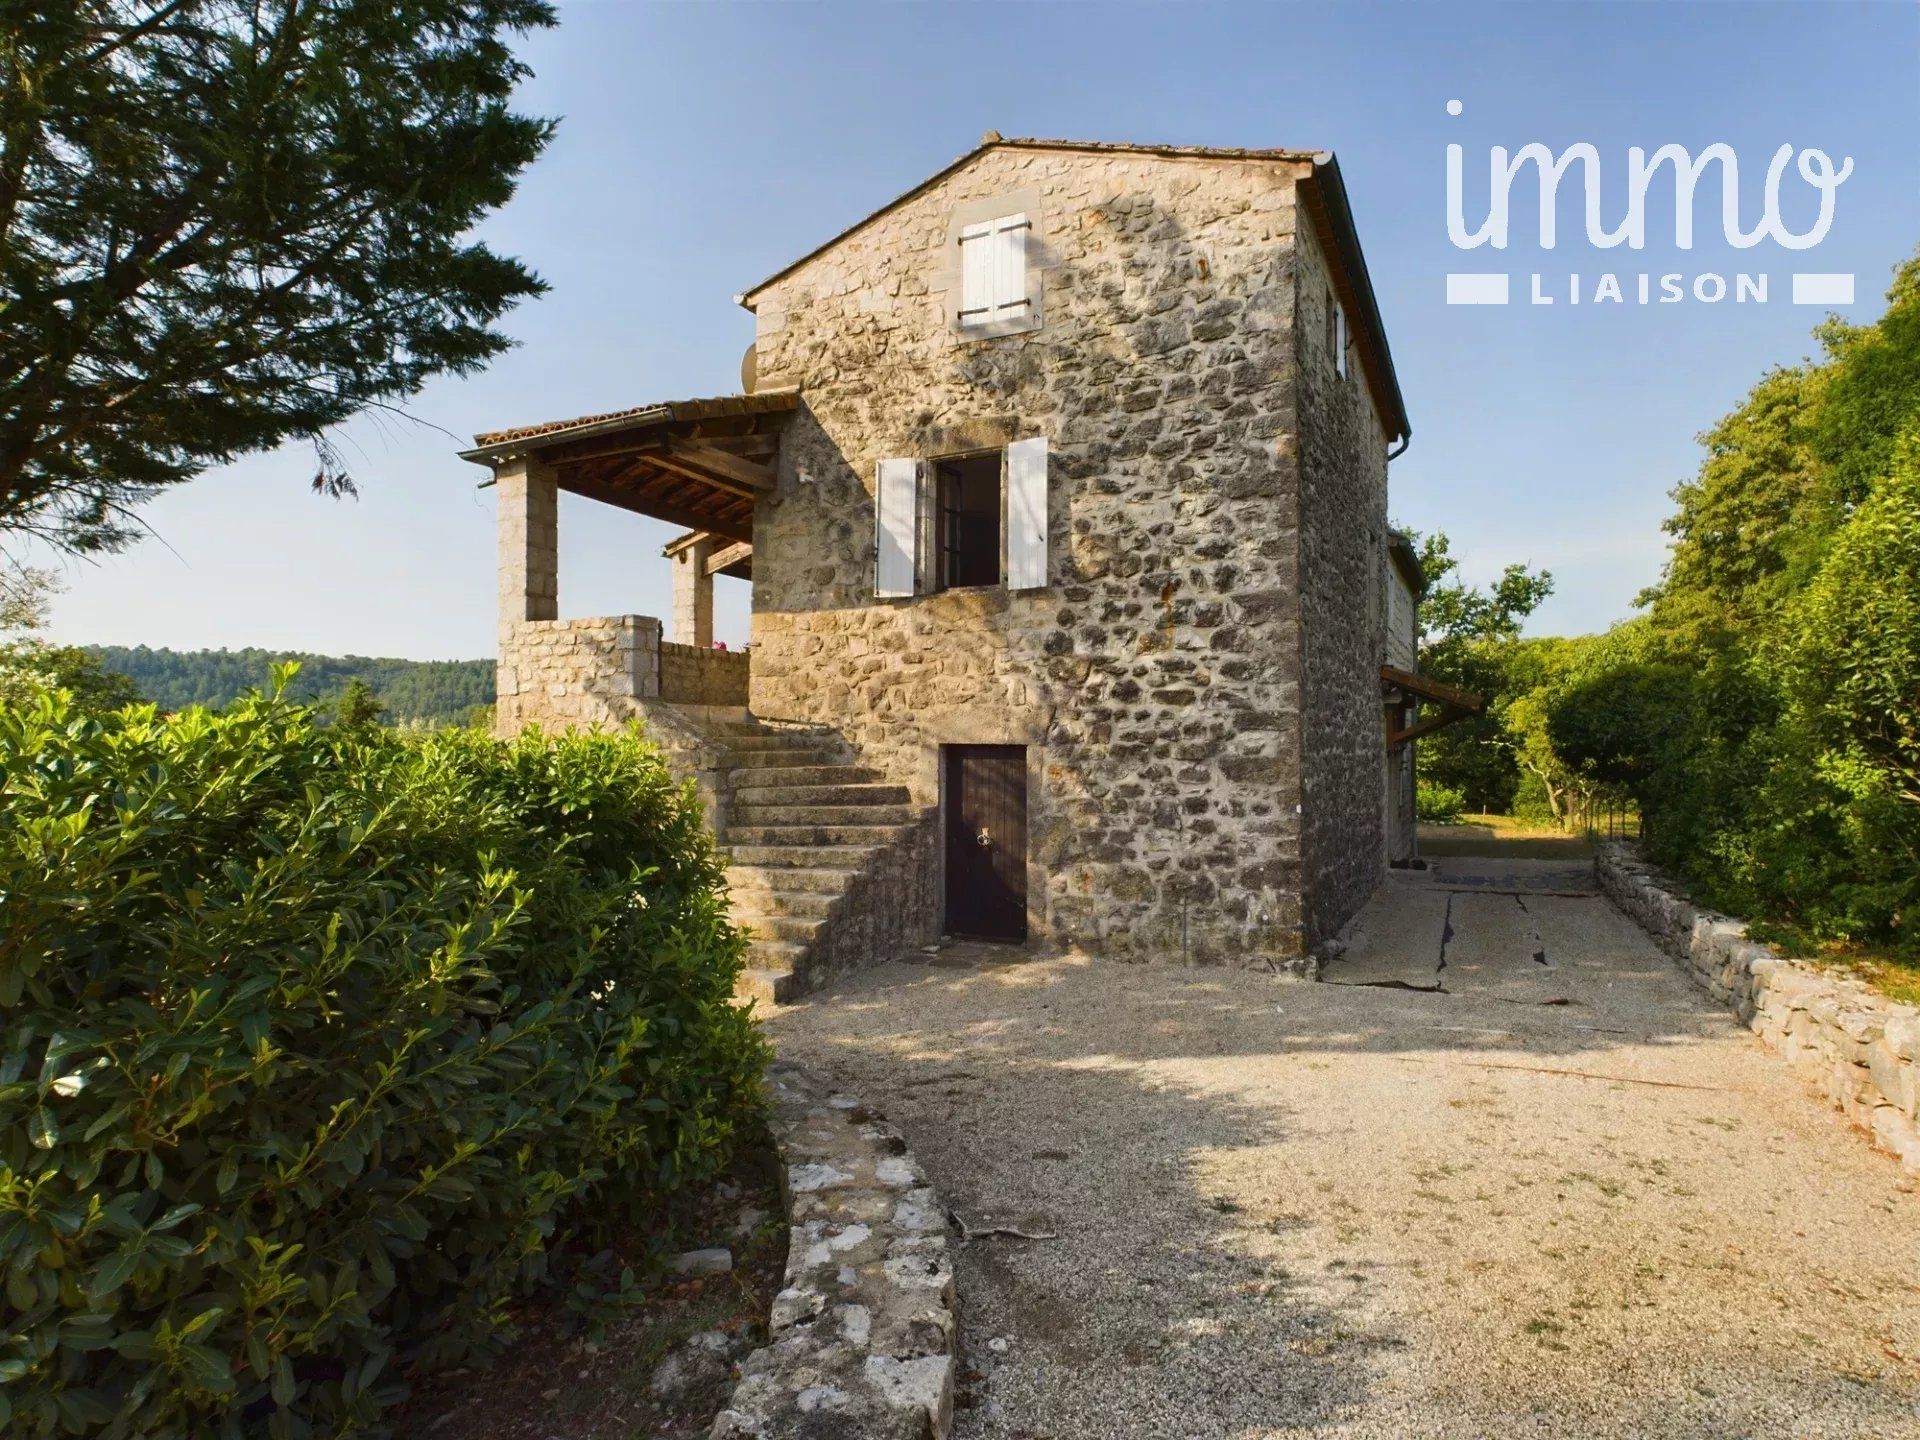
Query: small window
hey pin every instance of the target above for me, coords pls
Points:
(967, 510)
(1339, 341)
(993, 272)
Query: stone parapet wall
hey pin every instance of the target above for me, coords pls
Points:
(1859, 1049)
(690, 675)
(565, 673)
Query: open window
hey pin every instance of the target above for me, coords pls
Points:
(966, 521)
(1339, 336)
(983, 516)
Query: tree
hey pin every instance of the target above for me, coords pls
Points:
(1455, 616)
(357, 707)
(225, 225)
(1469, 637)
(1848, 654)
(1736, 527)
(28, 665)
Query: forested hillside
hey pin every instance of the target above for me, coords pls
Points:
(430, 691)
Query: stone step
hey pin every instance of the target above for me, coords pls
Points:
(792, 836)
(799, 929)
(783, 855)
(782, 756)
(767, 984)
(787, 880)
(785, 777)
(750, 908)
(854, 794)
(757, 815)
(754, 725)
(775, 741)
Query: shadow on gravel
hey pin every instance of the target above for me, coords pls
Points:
(1160, 1305)
(1255, 1236)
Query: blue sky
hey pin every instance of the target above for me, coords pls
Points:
(703, 146)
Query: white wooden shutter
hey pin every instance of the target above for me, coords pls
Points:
(1027, 514)
(1010, 267)
(896, 528)
(976, 274)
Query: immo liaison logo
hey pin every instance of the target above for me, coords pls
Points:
(1644, 171)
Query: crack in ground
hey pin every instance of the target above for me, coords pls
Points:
(1446, 939)
(1533, 932)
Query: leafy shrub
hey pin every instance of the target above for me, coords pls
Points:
(323, 1044)
(1438, 804)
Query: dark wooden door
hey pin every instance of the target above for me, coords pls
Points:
(987, 841)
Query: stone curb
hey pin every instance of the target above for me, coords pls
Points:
(1860, 1050)
(861, 1344)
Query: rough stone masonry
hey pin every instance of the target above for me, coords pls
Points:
(1197, 684)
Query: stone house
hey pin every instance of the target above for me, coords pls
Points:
(1061, 483)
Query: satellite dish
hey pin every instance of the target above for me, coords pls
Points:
(749, 371)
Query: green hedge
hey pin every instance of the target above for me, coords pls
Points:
(1438, 804)
(322, 1045)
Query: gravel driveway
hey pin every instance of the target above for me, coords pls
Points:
(1513, 1177)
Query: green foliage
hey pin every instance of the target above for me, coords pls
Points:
(1766, 715)
(357, 706)
(1470, 638)
(230, 225)
(322, 1044)
(29, 665)
(1455, 616)
(1438, 804)
(1736, 527)
(423, 692)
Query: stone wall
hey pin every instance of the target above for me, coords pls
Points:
(1156, 679)
(1859, 1049)
(563, 673)
(861, 1339)
(1343, 601)
(690, 675)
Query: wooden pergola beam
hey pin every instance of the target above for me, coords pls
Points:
(1435, 690)
(727, 557)
(1455, 704)
(757, 478)
(622, 497)
(699, 474)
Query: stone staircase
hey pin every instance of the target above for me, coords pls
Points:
(821, 854)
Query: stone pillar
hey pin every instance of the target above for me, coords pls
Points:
(693, 595)
(529, 538)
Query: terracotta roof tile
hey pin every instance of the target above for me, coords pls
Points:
(661, 412)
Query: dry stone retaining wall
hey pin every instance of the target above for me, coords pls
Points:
(1861, 1050)
(861, 1343)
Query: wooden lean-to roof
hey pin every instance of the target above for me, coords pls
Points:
(698, 463)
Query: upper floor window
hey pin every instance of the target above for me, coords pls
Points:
(993, 272)
(962, 521)
(966, 521)
(1339, 341)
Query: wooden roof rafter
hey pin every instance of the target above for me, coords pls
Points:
(703, 464)
(1455, 704)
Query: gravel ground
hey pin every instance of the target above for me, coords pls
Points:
(1514, 1178)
